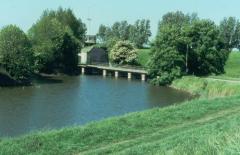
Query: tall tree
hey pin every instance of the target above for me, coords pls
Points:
(15, 53)
(55, 42)
(186, 44)
(102, 33)
(67, 18)
(207, 53)
(230, 32)
(140, 33)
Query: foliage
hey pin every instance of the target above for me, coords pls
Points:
(16, 56)
(67, 18)
(186, 45)
(143, 57)
(57, 38)
(207, 88)
(230, 33)
(123, 52)
(138, 33)
(167, 59)
(165, 66)
(207, 54)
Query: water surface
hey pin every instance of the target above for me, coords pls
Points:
(67, 101)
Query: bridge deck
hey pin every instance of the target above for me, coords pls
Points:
(120, 69)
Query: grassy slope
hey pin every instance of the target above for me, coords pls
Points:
(232, 67)
(205, 126)
(207, 88)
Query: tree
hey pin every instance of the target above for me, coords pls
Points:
(166, 62)
(47, 38)
(67, 18)
(15, 53)
(230, 32)
(140, 33)
(57, 41)
(185, 44)
(102, 33)
(207, 55)
(123, 52)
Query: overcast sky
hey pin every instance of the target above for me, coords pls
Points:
(24, 13)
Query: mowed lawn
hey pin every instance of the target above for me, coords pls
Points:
(232, 67)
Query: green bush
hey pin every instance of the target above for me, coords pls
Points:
(123, 52)
(16, 56)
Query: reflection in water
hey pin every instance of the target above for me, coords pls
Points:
(68, 101)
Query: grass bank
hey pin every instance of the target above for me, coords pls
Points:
(207, 88)
(197, 127)
(232, 68)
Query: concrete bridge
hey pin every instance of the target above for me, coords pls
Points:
(116, 70)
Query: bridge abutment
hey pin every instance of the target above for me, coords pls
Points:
(104, 73)
(116, 74)
(143, 77)
(83, 70)
(129, 75)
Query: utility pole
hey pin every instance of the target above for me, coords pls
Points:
(89, 25)
(186, 61)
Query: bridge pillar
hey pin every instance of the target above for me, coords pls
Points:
(104, 73)
(129, 75)
(143, 77)
(83, 70)
(116, 74)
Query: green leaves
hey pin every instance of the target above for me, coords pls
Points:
(230, 32)
(186, 45)
(123, 52)
(137, 33)
(15, 53)
(57, 38)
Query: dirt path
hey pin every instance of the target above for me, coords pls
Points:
(223, 80)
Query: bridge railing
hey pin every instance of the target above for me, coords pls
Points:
(119, 66)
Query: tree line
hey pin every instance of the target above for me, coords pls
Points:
(137, 33)
(187, 45)
(51, 45)
(184, 45)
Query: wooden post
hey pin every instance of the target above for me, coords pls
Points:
(83, 70)
(143, 77)
(116, 74)
(129, 75)
(104, 73)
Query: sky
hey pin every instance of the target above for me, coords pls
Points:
(24, 13)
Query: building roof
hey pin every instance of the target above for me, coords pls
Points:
(87, 49)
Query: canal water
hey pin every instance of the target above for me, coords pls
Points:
(67, 101)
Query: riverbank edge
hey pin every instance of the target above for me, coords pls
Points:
(130, 124)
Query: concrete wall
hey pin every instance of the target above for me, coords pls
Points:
(82, 58)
